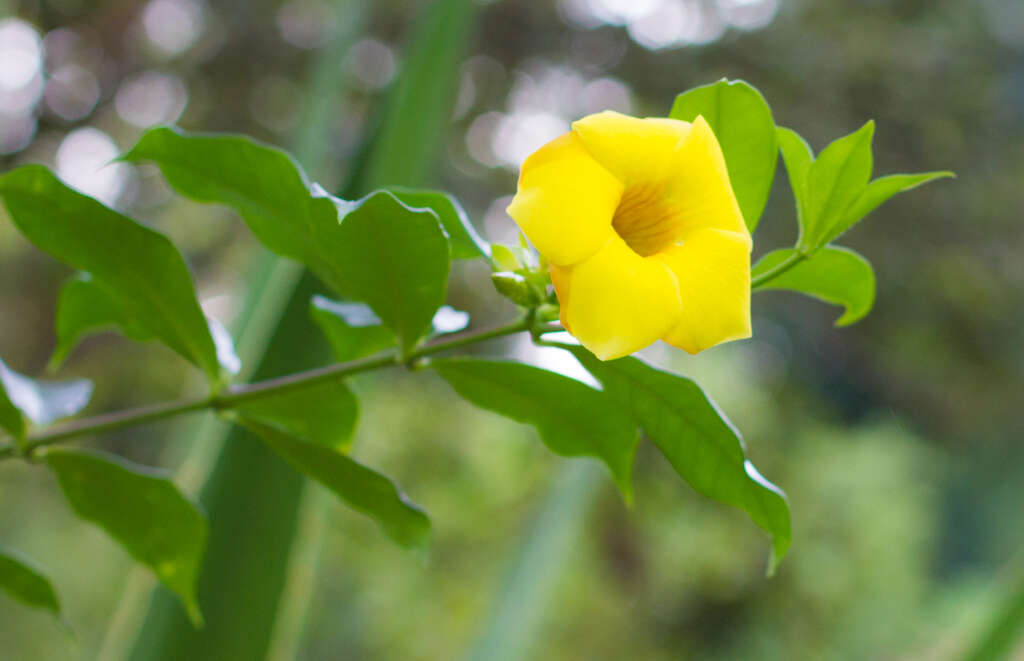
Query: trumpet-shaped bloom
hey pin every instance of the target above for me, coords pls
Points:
(643, 233)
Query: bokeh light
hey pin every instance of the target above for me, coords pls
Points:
(84, 163)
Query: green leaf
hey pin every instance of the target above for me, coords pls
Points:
(140, 508)
(262, 184)
(42, 402)
(352, 329)
(696, 438)
(465, 242)
(572, 419)
(396, 260)
(834, 180)
(365, 490)
(138, 267)
(324, 414)
(743, 124)
(797, 155)
(86, 308)
(25, 582)
(878, 192)
(834, 275)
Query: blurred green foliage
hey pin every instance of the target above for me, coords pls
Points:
(897, 440)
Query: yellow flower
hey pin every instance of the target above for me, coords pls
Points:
(643, 233)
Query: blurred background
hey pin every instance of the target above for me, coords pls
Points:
(897, 440)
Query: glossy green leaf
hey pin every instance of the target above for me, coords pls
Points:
(834, 275)
(362, 488)
(834, 180)
(41, 402)
(695, 437)
(797, 155)
(572, 418)
(86, 308)
(268, 189)
(876, 193)
(324, 414)
(743, 124)
(140, 268)
(395, 260)
(352, 329)
(24, 581)
(465, 242)
(140, 508)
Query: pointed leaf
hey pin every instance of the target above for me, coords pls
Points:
(364, 489)
(140, 508)
(696, 438)
(138, 267)
(743, 124)
(572, 419)
(324, 414)
(466, 243)
(25, 582)
(396, 260)
(834, 181)
(876, 193)
(797, 155)
(834, 275)
(42, 402)
(262, 184)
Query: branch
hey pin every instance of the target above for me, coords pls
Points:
(246, 393)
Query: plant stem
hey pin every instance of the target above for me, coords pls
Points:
(246, 393)
(777, 270)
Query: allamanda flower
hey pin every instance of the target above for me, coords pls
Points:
(643, 233)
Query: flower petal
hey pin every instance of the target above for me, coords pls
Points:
(634, 150)
(699, 189)
(617, 302)
(712, 268)
(565, 201)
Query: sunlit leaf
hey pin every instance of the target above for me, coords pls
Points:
(360, 487)
(138, 267)
(395, 260)
(465, 242)
(264, 185)
(834, 275)
(140, 508)
(835, 179)
(86, 308)
(41, 402)
(572, 418)
(876, 193)
(324, 414)
(24, 581)
(743, 124)
(352, 329)
(696, 438)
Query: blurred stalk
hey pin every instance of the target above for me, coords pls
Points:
(253, 498)
(520, 610)
(1004, 633)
